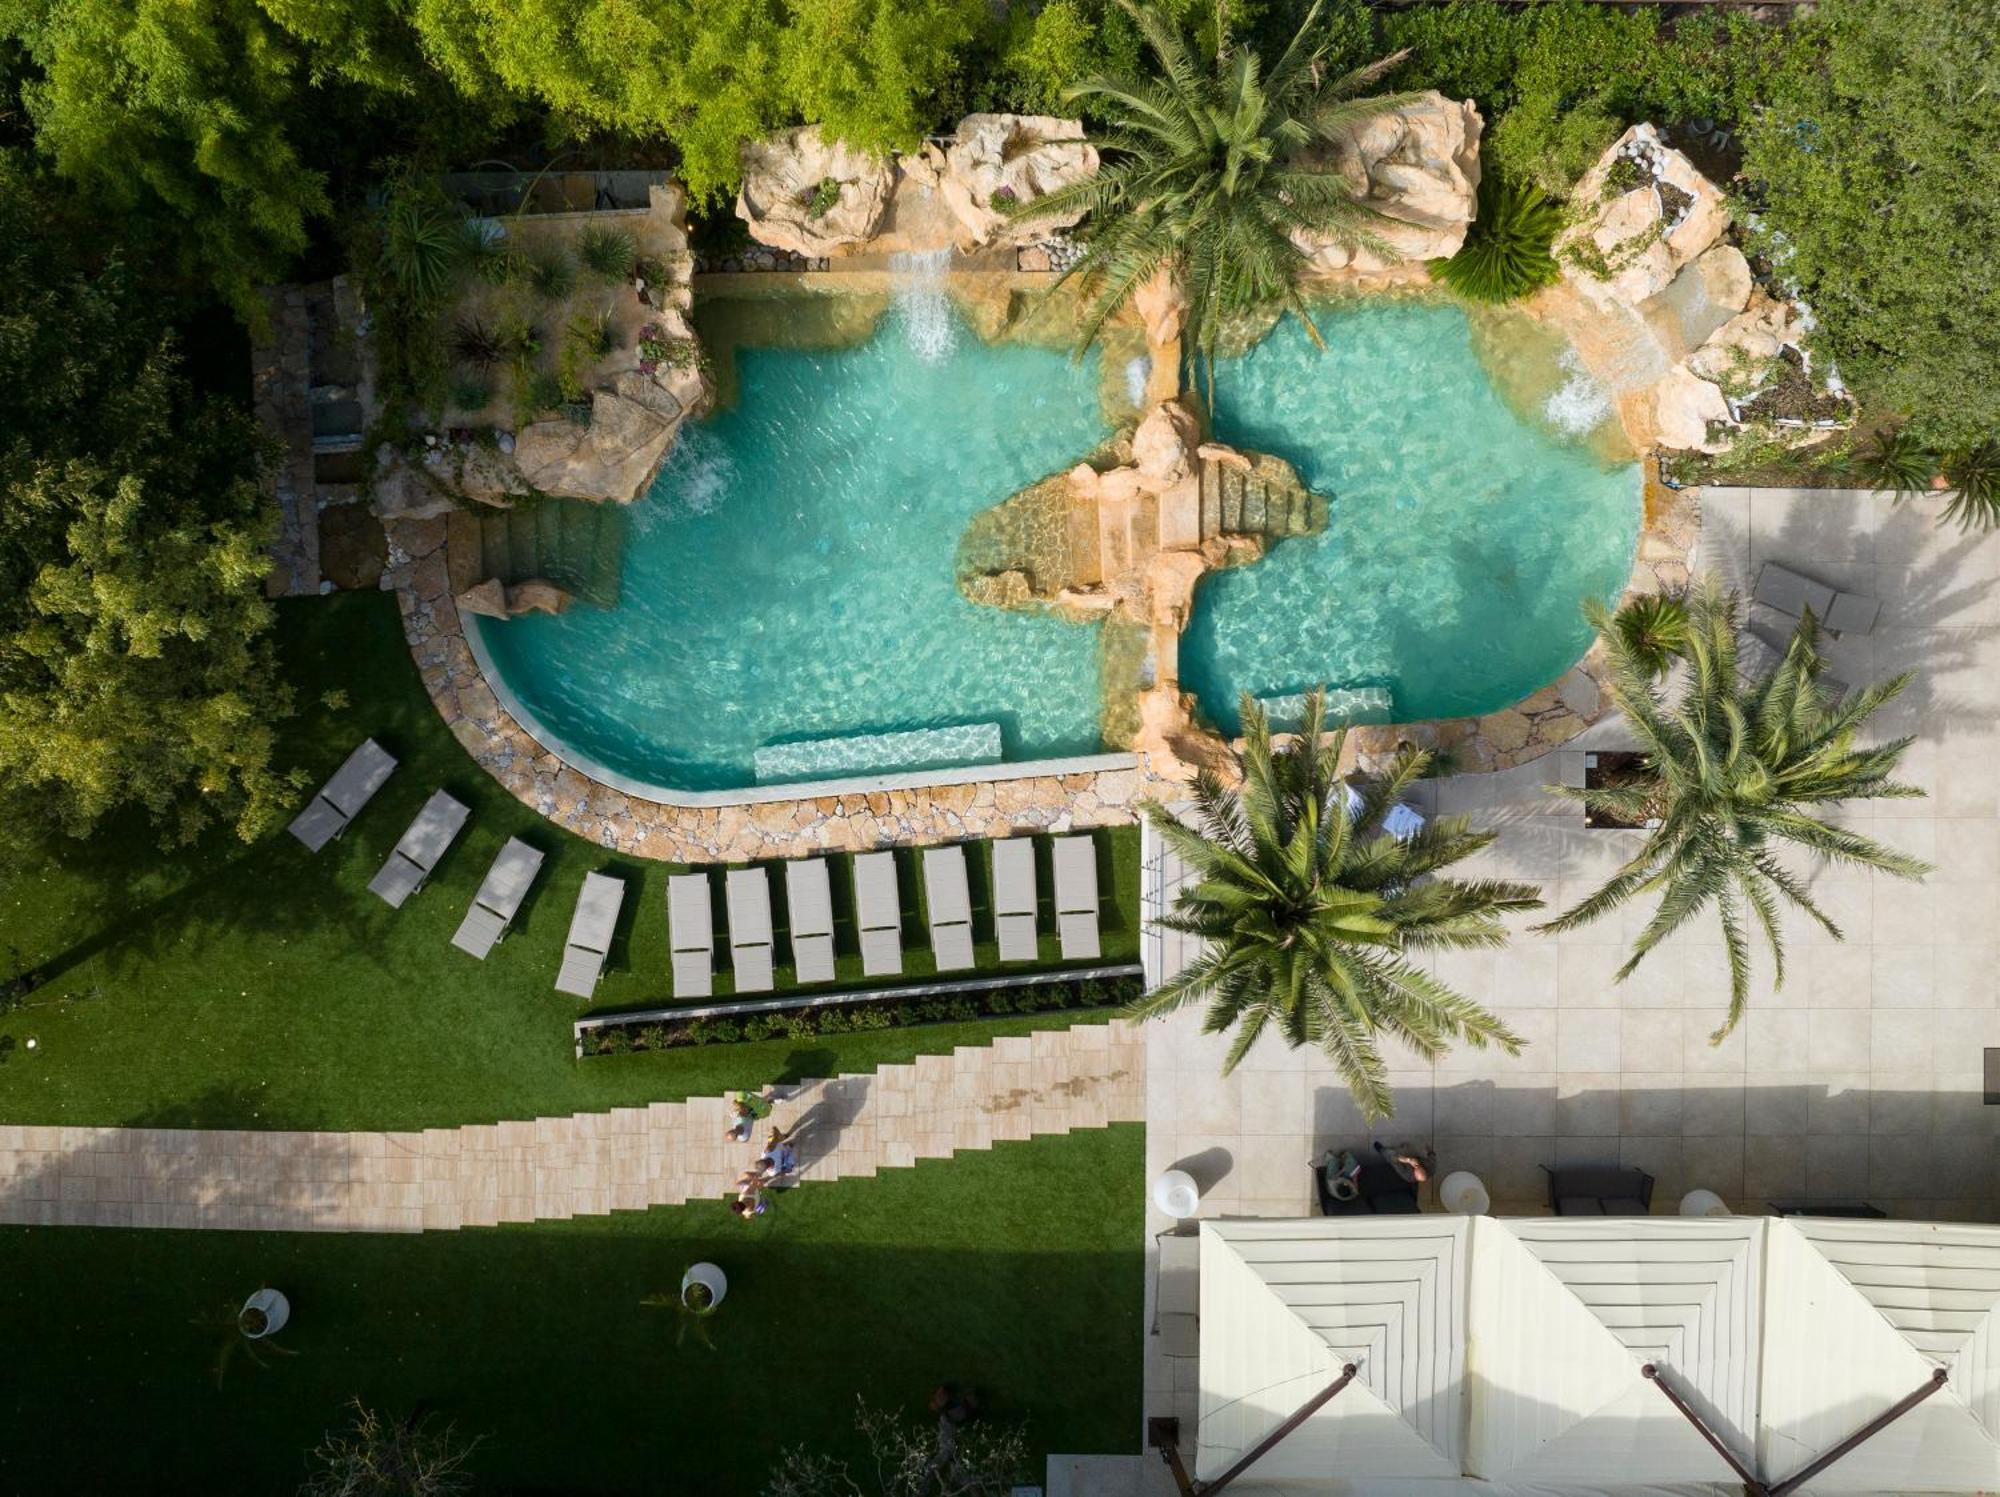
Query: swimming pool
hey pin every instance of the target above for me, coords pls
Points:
(791, 574)
(1461, 539)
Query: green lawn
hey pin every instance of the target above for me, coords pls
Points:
(1018, 1271)
(263, 987)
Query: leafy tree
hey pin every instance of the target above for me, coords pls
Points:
(377, 1457)
(871, 71)
(1734, 771)
(905, 1460)
(1204, 177)
(136, 665)
(1313, 915)
(1880, 191)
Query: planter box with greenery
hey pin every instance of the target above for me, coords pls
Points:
(852, 1013)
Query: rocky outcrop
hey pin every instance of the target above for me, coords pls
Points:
(493, 599)
(632, 425)
(1664, 309)
(996, 164)
(811, 196)
(1417, 166)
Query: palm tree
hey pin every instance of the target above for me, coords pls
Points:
(1313, 914)
(1734, 768)
(1205, 179)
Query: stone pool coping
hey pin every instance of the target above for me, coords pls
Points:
(783, 821)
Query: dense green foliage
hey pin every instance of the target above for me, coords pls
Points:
(1506, 254)
(1311, 915)
(1735, 770)
(136, 667)
(1205, 178)
(1017, 1269)
(1876, 163)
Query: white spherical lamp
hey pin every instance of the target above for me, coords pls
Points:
(1704, 1203)
(1463, 1193)
(1176, 1194)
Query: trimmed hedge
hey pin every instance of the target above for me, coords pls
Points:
(654, 1033)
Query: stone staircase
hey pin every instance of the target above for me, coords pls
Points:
(576, 544)
(1266, 500)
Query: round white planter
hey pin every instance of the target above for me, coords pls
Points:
(275, 1307)
(711, 1278)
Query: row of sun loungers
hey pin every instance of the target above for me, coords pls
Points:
(878, 915)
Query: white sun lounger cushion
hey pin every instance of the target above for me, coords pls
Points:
(878, 914)
(421, 849)
(748, 894)
(337, 803)
(809, 905)
(591, 930)
(950, 908)
(1076, 897)
(1014, 898)
(691, 934)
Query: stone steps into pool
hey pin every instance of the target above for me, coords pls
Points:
(1236, 501)
(577, 545)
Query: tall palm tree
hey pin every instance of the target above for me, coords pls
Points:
(1204, 176)
(1313, 914)
(1734, 768)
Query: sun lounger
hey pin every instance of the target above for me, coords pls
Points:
(420, 850)
(341, 798)
(1014, 898)
(747, 892)
(1076, 897)
(950, 907)
(1791, 593)
(809, 906)
(590, 931)
(499, 898)
(691, 932)
(878, 912)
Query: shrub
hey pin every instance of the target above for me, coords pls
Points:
(653, 1037)
(825, 194)
(697, 1032)
(539, 392)
(1000, 1003)
(485, 255)
(551, 275)
(1897, 461)
(875, 1016)
(608, 254)
(471, 394)
(801, 1027)
(761, 1026)
(1093, 992)
(1975, 479)
(617, 1039)
(423, 243)
(725, 1032)
(962, 1010)
(832, 1021)
(1506, 253)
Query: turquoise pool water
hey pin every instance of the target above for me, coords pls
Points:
(1461, 538)
(790, 574)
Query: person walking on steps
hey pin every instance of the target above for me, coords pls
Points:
(745, 1113)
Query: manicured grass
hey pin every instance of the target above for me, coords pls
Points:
(263, 987)
(1017, 1271)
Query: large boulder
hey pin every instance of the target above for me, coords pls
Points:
(1682, 407)
(812, 196)
(1646, 214)
(632, 425)
(1162, 445)
(996, 161)
(1417, 166)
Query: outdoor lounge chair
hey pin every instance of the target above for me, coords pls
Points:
(1076, 897)
(691, 934)
(809, 907)
(499, 898)
(1779, 587)
(747, 892)
(878, 912)
(590, 931)
(1014, 898)
(421, 849)
(1599, 1190)
(950, 907)
(341, 798)
(1381, 1189)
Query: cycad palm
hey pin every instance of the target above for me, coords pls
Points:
(1733, 771)
(1204, 178)
(1312, 916)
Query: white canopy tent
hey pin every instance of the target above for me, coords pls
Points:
(1604, 1355)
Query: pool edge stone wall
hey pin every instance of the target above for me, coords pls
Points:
(419, 574)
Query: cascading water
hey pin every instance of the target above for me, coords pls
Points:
(1580, 404)
(1138, 370)
(929, 326)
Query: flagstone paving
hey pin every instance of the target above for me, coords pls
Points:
(588, 1164)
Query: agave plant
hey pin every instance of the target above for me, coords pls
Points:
(608, 254)
(1735, 770)
(1506, 254)
(1975, 483)
(423, 243)
(1313, 915)
(551, 275)
(1205, 176)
